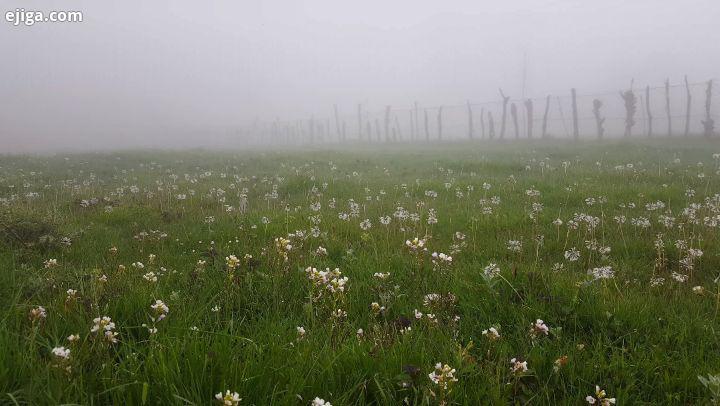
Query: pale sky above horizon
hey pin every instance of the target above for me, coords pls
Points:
(139, 73)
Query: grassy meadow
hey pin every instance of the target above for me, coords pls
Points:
(524, 273)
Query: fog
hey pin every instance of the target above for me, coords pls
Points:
(184, 74)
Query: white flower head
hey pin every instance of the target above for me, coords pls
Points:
(229, 399)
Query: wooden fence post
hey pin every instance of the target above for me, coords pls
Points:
(562, 116)
(427, 130)
(359, 122)
(667, 107)
(387, 123)
(482, 123)
(417, 124)
(597, 104)
(337, 122)
(687, 109)
(513, 115)
(440, 123)
(647, 110)
(529, 110)
(491, 123)
(397, 126)
(470, 120)
(545, 117)
(630, 102)
(505, 100)
(576, 132)
(412, 126)
(708, 123)
(311, 129)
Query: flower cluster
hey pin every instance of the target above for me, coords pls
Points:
(106, 326)
(37, 314)
(229, 398)
(416, 245)
(61, 358)
(518, 367)
(283, 246)
(599, 398)
(491, 333)
(443, 376)
(160, 310)
(539, 328)
(328, 280)
(441, 261)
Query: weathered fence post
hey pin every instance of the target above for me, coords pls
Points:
(513, 115)
(667, 107)
(505, 100)
(630, 100)
(417, 126)
(491, 123)
(397, 126)
(597, 104)
(427, 129)
(545, 117)
(440, 122)
(687, 109)
(708, 123)
(482, 123)
(647, 110)
(337, 122)
(412, 126)
(359, 122)
(529, 110)
(311, 129)
(576, 131)
(470, 120)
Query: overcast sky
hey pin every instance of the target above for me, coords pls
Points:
(177, 72)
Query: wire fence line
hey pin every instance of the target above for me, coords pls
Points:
(678, 109)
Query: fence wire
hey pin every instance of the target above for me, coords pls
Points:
(659, 111)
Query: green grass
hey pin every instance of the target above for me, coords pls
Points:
(643, 343)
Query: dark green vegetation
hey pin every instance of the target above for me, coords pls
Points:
(646, 214)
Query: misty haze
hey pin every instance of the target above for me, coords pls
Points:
(345, 203)
(177, 74)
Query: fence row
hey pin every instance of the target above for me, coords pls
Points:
(682, 109)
